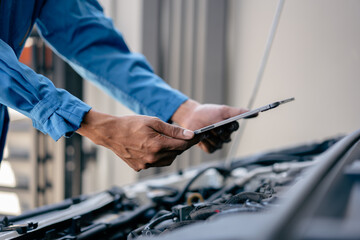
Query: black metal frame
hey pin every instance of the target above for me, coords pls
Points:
(64, 77)
(42, 152)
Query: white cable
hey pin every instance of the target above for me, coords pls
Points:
(264, 60)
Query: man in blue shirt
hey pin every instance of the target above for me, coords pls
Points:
(79, 32)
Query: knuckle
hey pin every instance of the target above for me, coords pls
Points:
(175, 131)
(156, 147)
(158, 124)
(150, 159)
(151, 120)
(155, 120)
(147, 146)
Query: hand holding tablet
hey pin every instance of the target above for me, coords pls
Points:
(244, 115)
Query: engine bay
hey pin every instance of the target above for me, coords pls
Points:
(211, 200)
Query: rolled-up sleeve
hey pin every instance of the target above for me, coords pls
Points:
(84, 37)
(53, 111)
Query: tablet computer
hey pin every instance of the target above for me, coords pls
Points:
(244, 115)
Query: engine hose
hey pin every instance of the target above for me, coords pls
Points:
(152, 224)
(180, 196)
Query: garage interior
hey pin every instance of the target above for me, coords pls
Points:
(212, 51)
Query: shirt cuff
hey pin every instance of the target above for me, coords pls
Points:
(170, 107)
(59, 114)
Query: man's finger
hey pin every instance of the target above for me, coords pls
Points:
(233, 126)
(172, 144)
(225, 137)
(172, 130)
(207, 146)
(214, 140)
(223, 133)
(252, 116)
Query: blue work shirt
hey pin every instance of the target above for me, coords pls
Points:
(79, 32)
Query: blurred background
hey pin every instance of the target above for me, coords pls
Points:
(210, 50)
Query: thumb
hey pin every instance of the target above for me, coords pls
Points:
(173, 131)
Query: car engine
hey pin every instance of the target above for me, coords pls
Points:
(211, 201)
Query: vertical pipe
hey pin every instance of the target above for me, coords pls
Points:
(259, 78)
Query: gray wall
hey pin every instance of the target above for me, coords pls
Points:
(109, 170)
(315, 58)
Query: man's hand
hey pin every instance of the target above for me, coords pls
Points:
(192, 115)
(141, 141)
